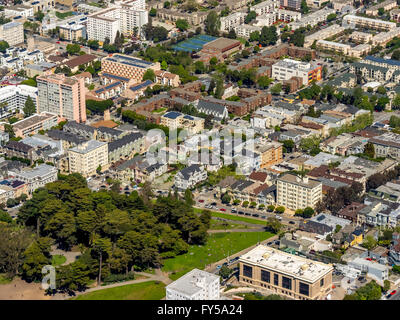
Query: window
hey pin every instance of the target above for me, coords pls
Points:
(287, 283)
(304, 289)
(247, 271)
(321, 283)
(265, 276)
(276, 279)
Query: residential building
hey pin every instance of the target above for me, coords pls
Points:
(194, 285)
(292, 4)
(288, 68)
(265, 7)
(36, 177)
(34, 123)
(125, 147)
(374, 270)
(233, 20)
(123, 17)
(387, 145)
(271, 153)
(61, 95)
(395, 15)
(72, 32)
(126, 66)
(312, 19)
(12, 32)
(19, 149)
(175, 120)
(19, 10)
(298, 193)
(15, 97)
(166, 78)
(272, 270)
(87, 157)
(188, 177)
(328, 32)
(368, 22)
(385, 5)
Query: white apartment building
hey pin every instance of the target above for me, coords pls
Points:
(190, 176)
(382, 38)
(298, 193)
(287, 15)
(12, 32)
(233, 20)
(267, 19)
(368, 22)
(194, 285)
(36, 177)
(312, 19)
(288, 68)
(18, 10)
(15, 97)
(86, 8)
(265, 7)
(87, 157)
(334, 46)
(245, 30)
(328, 32)
(123, 17)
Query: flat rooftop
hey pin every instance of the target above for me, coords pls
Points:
(123, 59)
(295, 266)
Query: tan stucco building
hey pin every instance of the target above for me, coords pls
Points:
(274, 271)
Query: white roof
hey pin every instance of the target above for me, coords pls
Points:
(301, 268)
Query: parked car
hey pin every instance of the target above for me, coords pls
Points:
(247, 214)
(291, 222)
(255, 215)
(222, 209)
(233, 211)
(393, 292)
(201, 200)
(214, 204)
(241, 212)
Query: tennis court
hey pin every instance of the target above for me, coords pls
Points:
(193, 44)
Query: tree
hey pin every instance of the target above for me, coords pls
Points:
(73, 48)
(101, 247)
(273, 224)
(93, 44)
(254, 36)
(164, 65)
(330, 17)
(396, 101)
(271, 208)
(369, 242)
(304, 7)
(189, 197)
(225, 272)
(3, 46)
(381, 11)
(280, 209)
(297, 37)
(232, 34)
(245, 204)
(264, 82)
(396, 55)
(268, 36)
(386, 285)
(149, 75)
(37, 255)
(152, 12)
(212, 24)
(39, 15)
(226, 198)
(369, 150)
(167, 4)
(276, 89)
(250, 17)
(182, 24)
(381, 90)
(29, 108)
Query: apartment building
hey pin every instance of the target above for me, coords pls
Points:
(361, 37)
(371, 72)
(175, 120)
(265, 7)
(35, 123)
(194, 285)
(287, 15)
(36, 177)
(12, 32)
(287, 68)
(87, 8)
(382, 38)
(274, 271)
(298, 193)
(244, 30)
(328, 32)
(125, 147)
(87, 157)
(193, 18)
(385, 5)
(72, 32)
(334, 46)
(61, 95)
(15, 97)
(188, 177)
(123, 17)
(395, 15)
(166, 78)
(18, 10)
(128, 67)
(368, 22)
(292, 4)
(387, 145)
(312, 19)
(232, 20)
(271, 153)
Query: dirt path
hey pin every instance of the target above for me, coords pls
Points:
(20, 290)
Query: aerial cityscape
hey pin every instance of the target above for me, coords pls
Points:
(226, 150)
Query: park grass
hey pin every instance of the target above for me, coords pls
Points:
(63, 15)
(219, 225)
(232, 217)
(58, 260)
(217, 248)
(151, 290)
(4, 279)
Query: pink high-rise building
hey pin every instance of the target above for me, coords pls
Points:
(61, 95)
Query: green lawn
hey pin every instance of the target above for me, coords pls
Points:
(233, 217)
(219, 225)
(4, 279)
(63, 15)
(58, 260)
(150, 290)
(217, 248)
